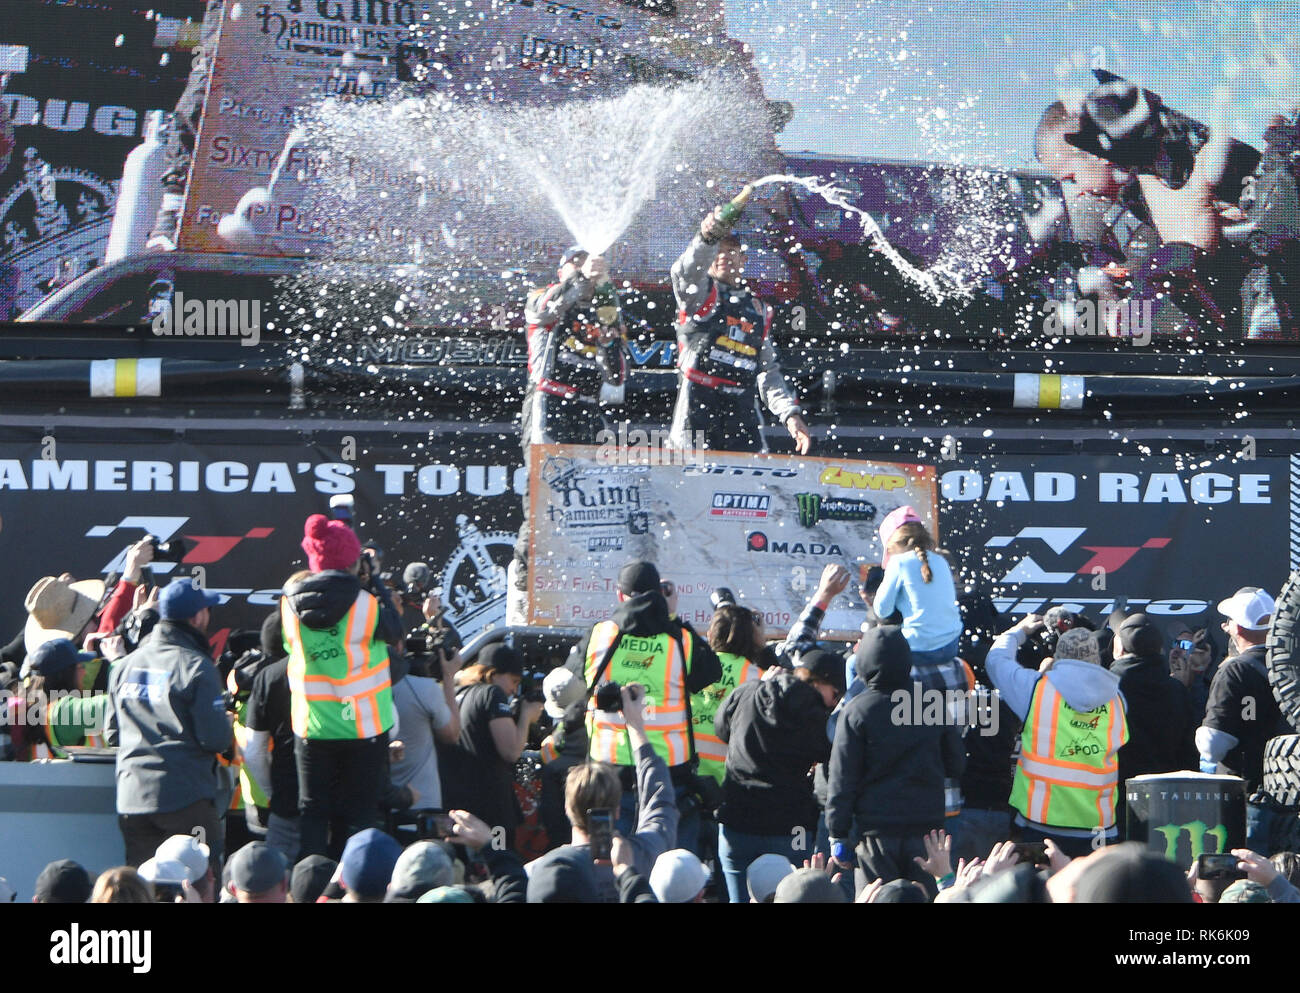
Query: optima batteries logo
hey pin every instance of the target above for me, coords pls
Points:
(744, 506)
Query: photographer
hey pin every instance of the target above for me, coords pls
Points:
(426, 710)
(478, 771)
(337, 626)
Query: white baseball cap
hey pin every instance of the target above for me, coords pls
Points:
(1249, 608)
(188, 851)
(156, 870)
(563, 692)
(764, 875)
(678, 876)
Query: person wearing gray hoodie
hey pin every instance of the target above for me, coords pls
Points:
(1067, 775)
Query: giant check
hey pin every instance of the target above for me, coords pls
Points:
(763, 526)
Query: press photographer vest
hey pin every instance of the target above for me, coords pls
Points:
(338, 677)
(656, 663)
(568, 365)
(724, 339)
(1069, 761)
(712, 750)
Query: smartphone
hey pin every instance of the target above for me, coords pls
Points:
(1218, 867)
(1032, 852)
(168, 892)
(601, 832)
(435, 824)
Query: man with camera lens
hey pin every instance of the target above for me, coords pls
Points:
(427, 712)
(644, 643)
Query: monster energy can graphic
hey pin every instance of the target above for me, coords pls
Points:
(814, 507)
(1183, 815)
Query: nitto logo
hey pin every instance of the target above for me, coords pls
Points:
(1105, 559)
(757, 541)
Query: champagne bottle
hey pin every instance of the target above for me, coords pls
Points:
(730, 212)
(606, 301)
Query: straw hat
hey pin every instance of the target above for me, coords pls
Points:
(59, 608)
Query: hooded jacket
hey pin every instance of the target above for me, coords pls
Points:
(887, 767)
(775, 731)
(322, 599)
(1161, 725)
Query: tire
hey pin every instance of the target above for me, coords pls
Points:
(1284, 651)
(1282, 770)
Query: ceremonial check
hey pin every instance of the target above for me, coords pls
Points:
(763, 526)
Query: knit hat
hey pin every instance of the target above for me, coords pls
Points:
(1079, 644)
(638, 577)
(329, 544)
(826, 666)
(1138, 636)
(808, 886)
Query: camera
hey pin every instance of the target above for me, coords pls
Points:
(530, 684)
(721, 596)
(169, 551)
(1131, 127)
(609, 697)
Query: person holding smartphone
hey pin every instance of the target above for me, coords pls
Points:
(582, 872)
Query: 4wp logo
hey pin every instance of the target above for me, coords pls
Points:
(200, 549)
(1102, 561)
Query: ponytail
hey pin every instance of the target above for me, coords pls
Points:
(926, 572)
(910, 537)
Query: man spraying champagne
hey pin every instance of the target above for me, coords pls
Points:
(725, 353)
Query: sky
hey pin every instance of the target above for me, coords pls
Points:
(965, 81)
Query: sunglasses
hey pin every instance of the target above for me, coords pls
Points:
(1188, 645)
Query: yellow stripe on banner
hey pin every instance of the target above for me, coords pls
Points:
(124, 371)
(1049, 392)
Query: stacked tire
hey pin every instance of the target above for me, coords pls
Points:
(1282, 754)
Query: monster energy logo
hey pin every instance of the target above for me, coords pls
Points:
(814, 507)
(1196, 831)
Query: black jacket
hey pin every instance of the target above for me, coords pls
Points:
(887, 775)
(322, 599)
(1161, 726)
(775, 731)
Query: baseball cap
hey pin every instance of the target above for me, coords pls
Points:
(258, 868)
(894, 520)
(310, 877)
(1139, 636)
(446, 894)
(563, 692)
(678, 876)
(826, 666)
(181, 599)
(764, 875)
(502, 658)
(1079, 644)
(56, 656)
(156, 870)
(64, 881)
(638, 577)
(1245, 891)
(571, 253)
(809, 886)
(900, 891)
(1250, 608)
(421, 867)
(187, 850)
(368, 861)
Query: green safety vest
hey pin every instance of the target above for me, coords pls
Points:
(1068, 770)
(339, 681)
(76, 721)
(736, 669)
(656, 663)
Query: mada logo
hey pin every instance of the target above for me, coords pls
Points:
(757, 541)
(814, 507)
(1104, 560)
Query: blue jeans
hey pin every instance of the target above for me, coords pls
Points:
(936, 656)
(736, 850)
(975, 832)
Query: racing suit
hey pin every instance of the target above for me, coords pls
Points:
(726, 360)
(572, 352)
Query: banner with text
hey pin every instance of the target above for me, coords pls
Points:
(763, 526)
